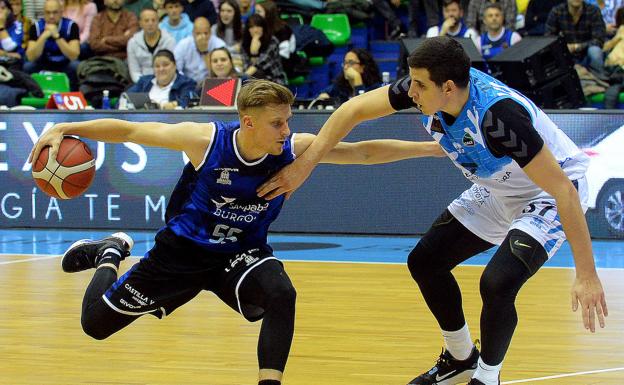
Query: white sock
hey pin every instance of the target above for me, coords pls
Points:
(486, 373)
(458, 343)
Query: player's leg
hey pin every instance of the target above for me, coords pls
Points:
(256, 285)
(104, 255)
(446, 244)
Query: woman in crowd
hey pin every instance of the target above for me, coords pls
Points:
(261, 51)
(11, 35)
(18, 13)
(360, 73)
(167, 88)
(82, 12)
(280, 29)
(221, 64)
(230, 29)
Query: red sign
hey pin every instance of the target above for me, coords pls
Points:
(70, 101)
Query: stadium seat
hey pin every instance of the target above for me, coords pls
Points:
(597, 100)
(335, 26)
(50, 83)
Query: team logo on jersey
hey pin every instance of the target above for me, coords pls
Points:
(224, 178)
(468, 140)
(226, 201)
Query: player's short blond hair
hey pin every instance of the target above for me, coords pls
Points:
(261, 93)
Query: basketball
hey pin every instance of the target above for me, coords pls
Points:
(70, 174)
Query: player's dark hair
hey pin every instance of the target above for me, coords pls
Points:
(261, 93)
(444, 58)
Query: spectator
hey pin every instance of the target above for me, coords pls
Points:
(221, 64)
(477, 7)
(280, 29)
(136, 6)
(145, 43)
(583, 29)
(176, 23)
(261, 52)
(11, 36)
(112, 29)
(82, 12)
(197, 8)
(54, 43)
(496, 37)
(388, 10)
(360, 74)
(193, 53)
(608, 8)
(453, 24)
(536, 15)
(229, 28)
(615, 61)
(166, 87)
(18, 12)
(159, 6)
(247, 8)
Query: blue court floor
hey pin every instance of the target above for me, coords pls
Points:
(290, 247)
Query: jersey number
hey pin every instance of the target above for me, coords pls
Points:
(542, 212)
(224, 234)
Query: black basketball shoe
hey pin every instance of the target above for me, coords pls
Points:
(474, 381)
(87, 253)
(448, 370)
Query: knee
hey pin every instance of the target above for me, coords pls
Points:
(284, 296)
(419, 262)
(93, 327)
(495, 287)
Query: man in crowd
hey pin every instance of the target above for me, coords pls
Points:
(193, 53)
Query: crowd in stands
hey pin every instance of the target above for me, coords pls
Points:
(168, 47)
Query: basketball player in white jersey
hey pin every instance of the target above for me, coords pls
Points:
(528, 197)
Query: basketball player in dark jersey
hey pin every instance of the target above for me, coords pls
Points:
(215, 237)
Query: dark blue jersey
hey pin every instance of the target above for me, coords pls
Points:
(491, 48)
(217, 206)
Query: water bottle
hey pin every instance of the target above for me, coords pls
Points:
(105, 100)
(385, 78)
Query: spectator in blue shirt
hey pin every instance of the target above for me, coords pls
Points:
(176, 23)
(11, 36)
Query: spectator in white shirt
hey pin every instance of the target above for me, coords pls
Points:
(193, 53)
(453, 24)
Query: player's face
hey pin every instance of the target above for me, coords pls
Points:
(424, 92)
(271, 128)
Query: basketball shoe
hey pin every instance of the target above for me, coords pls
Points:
(474, 381)
(448, 370)
(88, 253)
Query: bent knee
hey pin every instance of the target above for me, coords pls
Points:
(93, 328)
(419, 262)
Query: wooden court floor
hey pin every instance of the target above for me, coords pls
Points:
(357, 324)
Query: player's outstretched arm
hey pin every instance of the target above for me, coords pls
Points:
(587, 289)
(192, 138)
(371, 151)
(371, 105)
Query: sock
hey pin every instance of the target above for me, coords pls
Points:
(487, 374)
(269, 382)
(458, 343)
(109, 258)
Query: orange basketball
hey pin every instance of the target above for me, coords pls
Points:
(70, 174)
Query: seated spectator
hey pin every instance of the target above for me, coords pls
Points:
(477, 7)
(261, 52)
(193, 53)
(167, 88)
(229, 28)
(360, 73)
(496, 37)
(82, 12)
(18, 12)
(388, 10)
(247, 8)
(111, 30)
(280, 29)
(145, 43)
(203, 8)
(159, 6)
(54, 43)
(536, 15)
(583, 29)
(608, 8)
(136, 6)
(453, 24)
(614, 64)
(176, 23)
(11, 36)
(221, 64)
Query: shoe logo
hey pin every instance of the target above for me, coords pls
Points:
(516, 243)
(439, 378)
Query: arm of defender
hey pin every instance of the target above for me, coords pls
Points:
(587, 290)
(192, 138)
(371, 151)
(371, 105)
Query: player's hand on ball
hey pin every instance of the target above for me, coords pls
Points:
(52, 138)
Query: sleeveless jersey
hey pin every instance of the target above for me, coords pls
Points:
(220, 210)
(491, 48)
(464, 142)
(51, 51)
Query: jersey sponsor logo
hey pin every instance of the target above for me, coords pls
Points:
(504, 178)
(137, 296)
(225, 202)
(479, 194)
